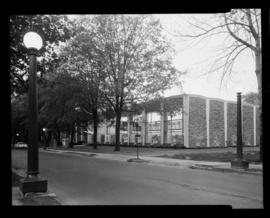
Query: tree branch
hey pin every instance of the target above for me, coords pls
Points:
(236, 37)
(253, 31)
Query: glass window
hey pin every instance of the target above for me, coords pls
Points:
(175, 116)
(153, 116)
(174, 124)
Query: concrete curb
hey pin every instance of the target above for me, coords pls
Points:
(192, 164)
(139, 160)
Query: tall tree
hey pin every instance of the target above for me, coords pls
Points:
(81, 62)
(57, 105)
(52, 28)
(242, 31)
(136, 57)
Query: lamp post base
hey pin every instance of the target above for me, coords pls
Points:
(33, 184)
(239, 164)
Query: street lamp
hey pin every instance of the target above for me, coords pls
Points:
(239, 162)
(33, 182)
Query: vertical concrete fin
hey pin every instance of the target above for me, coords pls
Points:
(225, 122)
(129, 120)
(207, 121)
(162, 122)
(144, 116)
(186, 119)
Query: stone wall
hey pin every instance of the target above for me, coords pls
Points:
(197, 122)
(231, 123)
(247, 125)
(216, 124)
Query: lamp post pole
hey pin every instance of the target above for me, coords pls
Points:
(239, 162)
(32, 182)
(239, 128)
(32, 158)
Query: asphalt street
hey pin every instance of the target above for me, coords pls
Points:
(81, 180)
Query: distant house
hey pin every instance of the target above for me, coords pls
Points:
(188, 120)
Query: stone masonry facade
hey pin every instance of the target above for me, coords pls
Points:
(213, 123)
(248, 131)
(197, 122)
(204, 122)
(231, 124)
(216, 124)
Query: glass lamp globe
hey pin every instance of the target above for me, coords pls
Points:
(32, 40)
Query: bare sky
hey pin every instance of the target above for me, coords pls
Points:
(193, 59)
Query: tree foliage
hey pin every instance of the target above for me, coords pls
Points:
(52, 28)
(251, 98)
(110, 61)
(19, 109)
(59, 101)
(81, 61)
(136, 58)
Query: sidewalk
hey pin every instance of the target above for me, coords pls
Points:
(160, 161)
(31, 199)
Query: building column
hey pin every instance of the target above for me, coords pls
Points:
(225, 123)
(129, 129)
(207, 122)
(186, 119)
(162, 127)
(254, 125)
(162, 113)
(144, 130)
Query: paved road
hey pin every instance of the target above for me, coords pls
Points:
(89, 181)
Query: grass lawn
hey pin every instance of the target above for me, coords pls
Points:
(252, 157)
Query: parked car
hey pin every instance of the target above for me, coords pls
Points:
(20, 145)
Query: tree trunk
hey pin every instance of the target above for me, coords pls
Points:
(48, 139)
(72, 135)
(117, 130)
(95, 120)
(57, 138)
